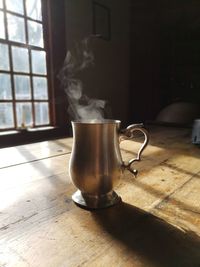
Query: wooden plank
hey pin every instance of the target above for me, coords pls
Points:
(18, 176)
(41, 226)
(31, 152)
(32, 188)
(157, 182)
(167, 164)
(36, 202)
(182, 208)
(119, 236)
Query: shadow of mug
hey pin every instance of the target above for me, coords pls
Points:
(148, 237)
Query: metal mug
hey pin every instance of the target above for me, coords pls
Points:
(196, 132)
(96, 164)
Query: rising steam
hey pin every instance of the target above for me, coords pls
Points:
(80, 105)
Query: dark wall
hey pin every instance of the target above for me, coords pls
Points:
(165, 55)
(145, 59)
(180, 51)
(57, 49)
(108, 79)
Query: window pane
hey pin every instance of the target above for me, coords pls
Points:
(38, 62)
(40, 88)
(16, 29)
(5, 87)
(20, 59)
(35, 34)
(1, 3)
(33, 8)
(4, 59)
(22, 87)
(24, 114)
(15, 6)
(6, 115)
(2, 25)
(41, 113)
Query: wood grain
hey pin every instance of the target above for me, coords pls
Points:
(156, 224)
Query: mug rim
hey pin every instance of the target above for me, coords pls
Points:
(96, 121)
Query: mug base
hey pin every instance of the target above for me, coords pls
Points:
(95, 202)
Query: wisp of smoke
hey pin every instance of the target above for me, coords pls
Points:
(80, 105)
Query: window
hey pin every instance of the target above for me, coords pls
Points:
(24, 94)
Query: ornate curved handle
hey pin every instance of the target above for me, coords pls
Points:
(128, 134)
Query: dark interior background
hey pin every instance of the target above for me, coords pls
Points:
(165, 55)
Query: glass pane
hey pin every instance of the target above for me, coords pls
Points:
(33, 8)
(1, 3)
(2, 25)
(22, 87)
(38, 62)
(6, 115)
(16, 29)
(35, 34)
(40, 88)
(41, 113)
(20, 59)
(15, 6)
(5, 87)
(4, 58)
(24, 114)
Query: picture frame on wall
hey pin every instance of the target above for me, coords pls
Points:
(101, 21)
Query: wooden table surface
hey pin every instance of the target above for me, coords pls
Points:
(157, 224)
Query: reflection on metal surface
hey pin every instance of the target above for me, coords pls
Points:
(96, 165)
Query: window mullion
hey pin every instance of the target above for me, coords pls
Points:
(22, 16)
(30, 62)
(11, 67)
(48, 47)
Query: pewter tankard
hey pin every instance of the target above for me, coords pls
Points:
(96, 164)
